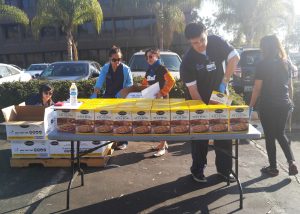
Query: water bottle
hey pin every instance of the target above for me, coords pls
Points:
(73, 94)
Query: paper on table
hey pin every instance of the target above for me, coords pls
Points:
(134, 95)
(151, 91)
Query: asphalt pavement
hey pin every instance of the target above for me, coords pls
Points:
(134, 182)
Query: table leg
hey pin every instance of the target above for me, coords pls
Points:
(80, 170)
(236, 173)
(72, 171)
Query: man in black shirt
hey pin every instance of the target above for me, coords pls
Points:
(202, 71)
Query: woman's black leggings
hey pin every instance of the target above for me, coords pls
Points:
(273, 120)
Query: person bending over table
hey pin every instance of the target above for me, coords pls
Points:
(202, 71)
(116, 76)
(157, 72)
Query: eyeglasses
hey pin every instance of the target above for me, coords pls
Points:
(48, 93)
(116, 60)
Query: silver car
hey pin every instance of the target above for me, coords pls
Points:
(71, 70)
(36, 69)
(9, 73)
(139, 65)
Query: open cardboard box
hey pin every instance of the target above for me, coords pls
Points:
(135, 88)
(28, 122)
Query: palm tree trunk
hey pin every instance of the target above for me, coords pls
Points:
(75, 50)
(69, 38)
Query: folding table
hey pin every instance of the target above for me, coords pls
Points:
(54, 135)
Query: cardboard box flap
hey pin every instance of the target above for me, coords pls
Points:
(24, 123)
(9, 113)
(125, 91)
(24, 113)
(30, 113)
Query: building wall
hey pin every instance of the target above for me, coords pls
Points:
(129, 28)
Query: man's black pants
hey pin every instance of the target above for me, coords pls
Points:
(199, 152)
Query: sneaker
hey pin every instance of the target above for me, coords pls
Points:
(159, 153)
(225, 177)
(293, 169)
(199, 178)
(122, 147)
(270, 171)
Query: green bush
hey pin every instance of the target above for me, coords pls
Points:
(17, 92)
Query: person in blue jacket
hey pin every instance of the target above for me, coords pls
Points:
(116, 76)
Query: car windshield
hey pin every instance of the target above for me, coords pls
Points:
(66, 69)
(250, 58)
(36, 67)
(139, 63)
(172, 62)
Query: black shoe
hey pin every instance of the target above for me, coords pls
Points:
(270, 171)
(199, 178)
(226, 177)
(293, 169)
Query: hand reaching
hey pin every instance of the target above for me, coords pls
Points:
(222, 87)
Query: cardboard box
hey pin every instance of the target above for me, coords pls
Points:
(122, 119)
(218, 118)
(85, 120)
(104, 119)
(62, 149)
(180, 124)
(141, 119)
(29, 148)
(28, 122)
(199, 118)
(239, 118)
(160, 120)
(125, 91)
(65, 120)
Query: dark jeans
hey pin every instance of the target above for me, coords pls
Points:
(273, 120)
(199, 152)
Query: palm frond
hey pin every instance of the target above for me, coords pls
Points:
(10, 13)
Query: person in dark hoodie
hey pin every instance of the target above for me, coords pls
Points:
(43, 98)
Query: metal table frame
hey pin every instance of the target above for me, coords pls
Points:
(54, 135)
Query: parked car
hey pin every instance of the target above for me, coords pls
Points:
(71, 70)
(9, 73)
(36, 69)
(21, 69)
(139, 65)
(243, 78)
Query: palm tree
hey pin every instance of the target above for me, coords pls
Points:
(11, 13)
(253, 19)
(168, 14)
(67, 14)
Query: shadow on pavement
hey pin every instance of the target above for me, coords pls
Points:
(19, 181)
(149, 200)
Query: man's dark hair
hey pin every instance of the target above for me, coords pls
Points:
(193, 30)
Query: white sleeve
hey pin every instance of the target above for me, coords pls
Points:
(232, 54)
(191, 83)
